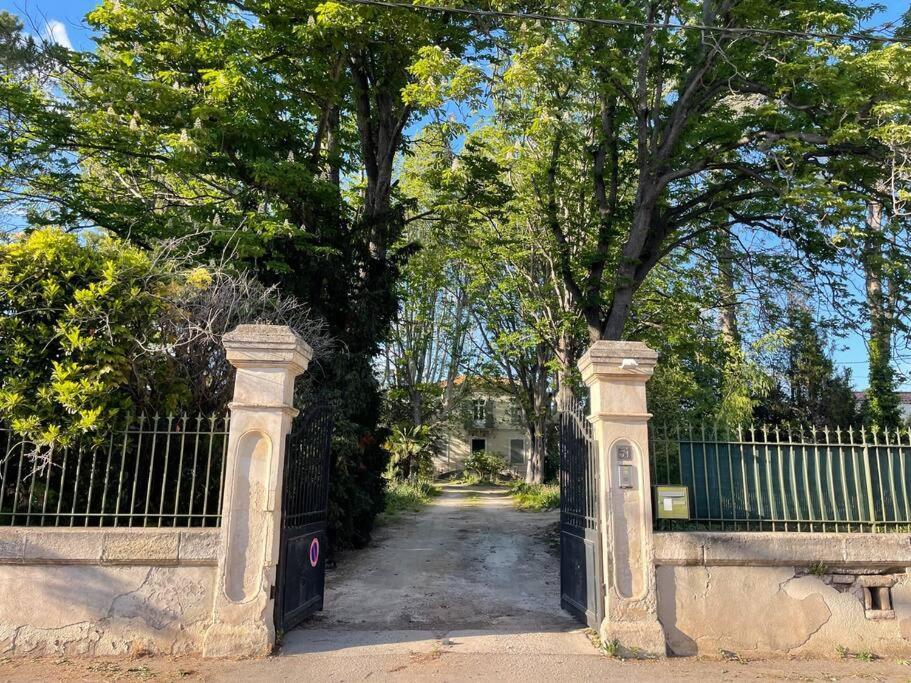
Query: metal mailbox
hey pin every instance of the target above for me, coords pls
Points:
(672, 502)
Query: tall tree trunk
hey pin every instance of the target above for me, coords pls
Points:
(534, 472)
(882, 402)
(566, 359)
(727, 314)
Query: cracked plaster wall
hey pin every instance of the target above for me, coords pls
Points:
(105, 593)
(777, 610)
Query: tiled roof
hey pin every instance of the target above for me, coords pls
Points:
(904, 397)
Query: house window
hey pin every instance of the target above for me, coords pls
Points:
(478, 445)
(516, 451)
(479, 409)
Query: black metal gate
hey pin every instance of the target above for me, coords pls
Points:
(301, 574)
(581, 573)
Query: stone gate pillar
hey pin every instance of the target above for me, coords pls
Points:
(616, 373)
(268, 358)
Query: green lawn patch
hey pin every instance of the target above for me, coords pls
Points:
(535, 497)
(408, 496)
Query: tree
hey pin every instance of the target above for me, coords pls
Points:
(272, 127)
(809, 391)
(645, 140)
(522, 326)
(881, 403)
(427, 348)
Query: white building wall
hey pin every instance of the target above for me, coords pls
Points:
(458, 440)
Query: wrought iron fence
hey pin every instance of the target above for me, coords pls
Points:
(158, 471)
(784, 479)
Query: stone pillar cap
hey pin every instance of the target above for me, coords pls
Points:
(266, 346)
(618, 358)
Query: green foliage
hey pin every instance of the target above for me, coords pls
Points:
(93, 327)
(881, 405)
(535, 497)
(809, 391)
(819, 568)
(408, 496)
(485, 465)
(357, 490)
(585, 207)
(270, 130)
(77, 314)
(612, 648)
(411, 452)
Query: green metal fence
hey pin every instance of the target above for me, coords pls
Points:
(783, 479)
(158, 471)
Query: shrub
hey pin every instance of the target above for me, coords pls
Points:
(404, 496)
(535, 497)
(485, 465)
(92, 327)
(76, 314)
(411, 452)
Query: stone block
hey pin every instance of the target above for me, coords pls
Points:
(673, 548)
(877, 549)
(199, 546)
(12, 543)
(772, 549)
(64, 546)
(877, 581)
(140, 546)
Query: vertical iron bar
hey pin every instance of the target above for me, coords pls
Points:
(76, 484)
(61, 490)
(47, 489)
(164, 470)
(88, 504)
(31, 493)
(107, 476)
(734, 514)
(151, 472)
(747, 508)
(773, 508)
(868, 479)
(901, 466)
(224, 454)
(7, 456)
(205, 498)
(132, 513)
(18, 479)
(195, 465)
(852, 512)
(123, 464)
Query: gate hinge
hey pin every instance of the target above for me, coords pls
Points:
(272, 592)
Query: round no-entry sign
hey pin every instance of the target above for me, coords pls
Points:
(314, 552)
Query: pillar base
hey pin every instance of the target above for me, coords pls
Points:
(643, 638)
(247, 640)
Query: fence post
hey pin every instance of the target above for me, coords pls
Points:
(268, 358)
(616, 373)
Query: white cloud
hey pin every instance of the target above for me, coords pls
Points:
(55, 32)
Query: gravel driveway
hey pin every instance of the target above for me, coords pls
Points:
(469, 560)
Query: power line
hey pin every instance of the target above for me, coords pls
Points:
(627, 23)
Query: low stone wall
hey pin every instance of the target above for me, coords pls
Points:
(784, 593)
(105, 591)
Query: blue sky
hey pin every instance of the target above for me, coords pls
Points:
(63, 19)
